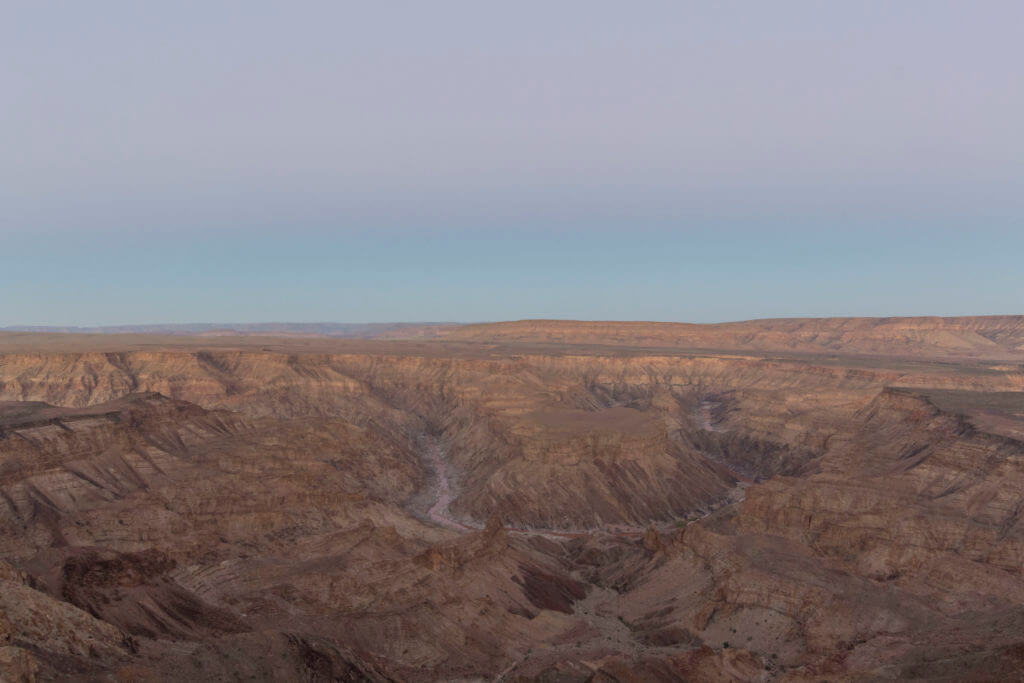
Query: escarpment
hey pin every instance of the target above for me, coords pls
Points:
(517, 509)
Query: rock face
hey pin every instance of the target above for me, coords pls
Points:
(516, 509)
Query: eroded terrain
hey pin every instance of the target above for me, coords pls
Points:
(559, 501)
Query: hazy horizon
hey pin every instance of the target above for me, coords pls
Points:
(662, 161)
(251, 325)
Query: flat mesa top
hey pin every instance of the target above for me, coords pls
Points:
(849, 340)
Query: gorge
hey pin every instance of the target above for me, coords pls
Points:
(538, 500)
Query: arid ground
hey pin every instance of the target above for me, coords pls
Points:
(535, 500)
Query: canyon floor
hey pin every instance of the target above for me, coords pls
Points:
(783, 500)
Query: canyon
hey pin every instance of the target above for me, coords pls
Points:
(789, 500)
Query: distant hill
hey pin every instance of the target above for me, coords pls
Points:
(345, 330)
(989, 337)
(994, 338)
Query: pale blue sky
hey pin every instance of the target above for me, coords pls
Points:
(315, 161)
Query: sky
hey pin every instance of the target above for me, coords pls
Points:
(467, 161)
